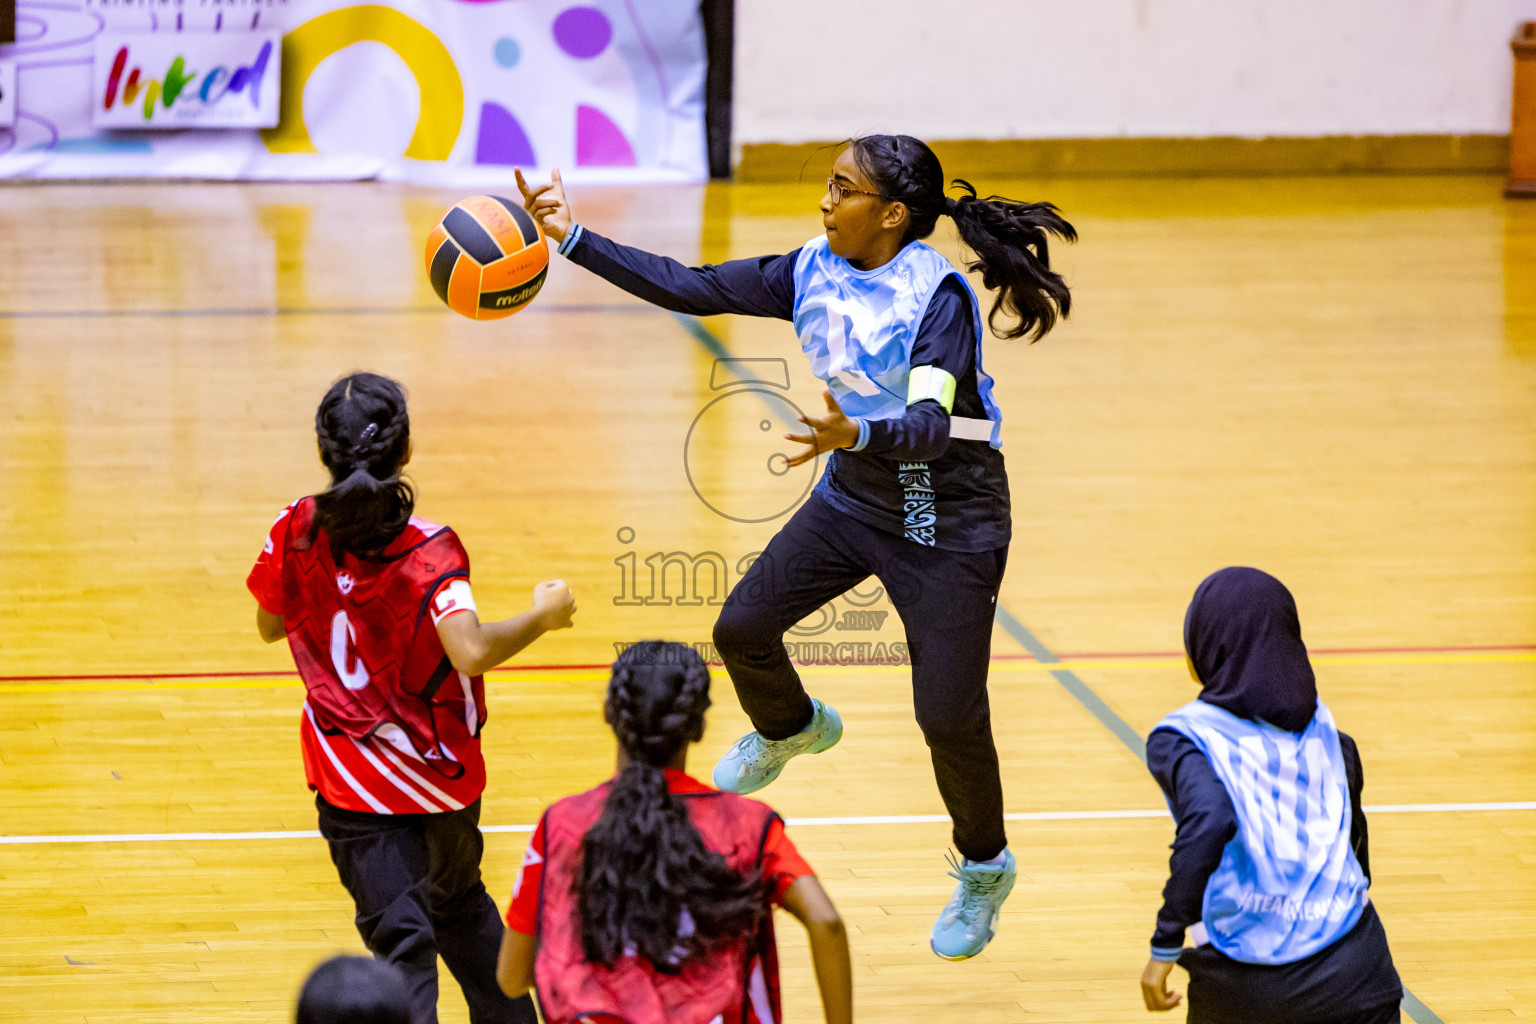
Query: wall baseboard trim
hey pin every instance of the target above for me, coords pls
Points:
(1155, 157)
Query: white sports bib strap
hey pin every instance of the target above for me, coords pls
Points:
(930, 382)
(967, 428)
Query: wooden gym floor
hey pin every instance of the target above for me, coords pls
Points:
(1332, 379)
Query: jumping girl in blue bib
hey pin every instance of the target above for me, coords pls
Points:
(914, 492)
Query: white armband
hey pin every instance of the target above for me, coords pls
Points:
(926, 383)
(452, 599)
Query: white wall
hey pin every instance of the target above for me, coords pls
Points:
(825, 69)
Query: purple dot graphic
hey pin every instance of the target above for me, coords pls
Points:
(583, 31)
(502, 139)
(600, 142)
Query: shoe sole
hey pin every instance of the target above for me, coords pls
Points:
(991, 934)
(957, 959)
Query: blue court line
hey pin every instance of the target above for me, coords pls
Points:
(1412, 1005)
(1073, 685)
(712, 343)
(1417, 1010)
(546, 308)
(1068, 679)
(704, 336)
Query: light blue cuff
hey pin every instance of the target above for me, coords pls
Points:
(1166, 954)
(571, 238)
(863, 440)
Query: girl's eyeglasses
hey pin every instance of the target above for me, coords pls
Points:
(836, 190)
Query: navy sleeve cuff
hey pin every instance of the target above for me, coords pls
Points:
(1166, 954)
(571, 238)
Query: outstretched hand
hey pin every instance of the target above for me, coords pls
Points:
(547, 204)
(834, 430)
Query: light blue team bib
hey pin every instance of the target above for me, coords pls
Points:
(858, 327)
(1288, 883)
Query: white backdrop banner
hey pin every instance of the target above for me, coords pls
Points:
(451, 92)
(7, 92)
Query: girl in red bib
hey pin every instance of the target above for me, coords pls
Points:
(646, 900)
(376, 606)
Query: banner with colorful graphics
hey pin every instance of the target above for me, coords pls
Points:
(208, 80)
(451, 92)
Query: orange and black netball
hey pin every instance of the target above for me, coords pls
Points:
(487, 257)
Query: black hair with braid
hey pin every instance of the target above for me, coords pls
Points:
(1009, 238)
(644, 863)
(365, 437)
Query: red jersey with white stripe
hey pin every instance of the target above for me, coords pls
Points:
(389, 726)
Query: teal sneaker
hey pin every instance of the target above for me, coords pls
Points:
(969, 921)
(754, 761)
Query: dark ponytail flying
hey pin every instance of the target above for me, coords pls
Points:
(644, 864)
(1009, 238)
(365, 437)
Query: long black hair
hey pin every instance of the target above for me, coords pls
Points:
(645, 871)
(365, 437)
(1009, 238)
(354, 990)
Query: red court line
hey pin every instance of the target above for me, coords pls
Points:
(1113, 655)
(1078, 656)
(274, 674)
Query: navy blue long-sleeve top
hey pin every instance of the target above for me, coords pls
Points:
(1207, 822)
(968, 479)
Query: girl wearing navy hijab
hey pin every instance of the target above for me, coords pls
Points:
(914, 492)
(1268, 881)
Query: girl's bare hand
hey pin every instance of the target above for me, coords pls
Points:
(1154, 986)
(548, 205)
(834, 430)
(555, 603)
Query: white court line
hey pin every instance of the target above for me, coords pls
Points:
(892, 819)
(1516, 805)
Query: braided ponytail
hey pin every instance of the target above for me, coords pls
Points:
(1010, 238)
(648, 886)
(365, 437)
